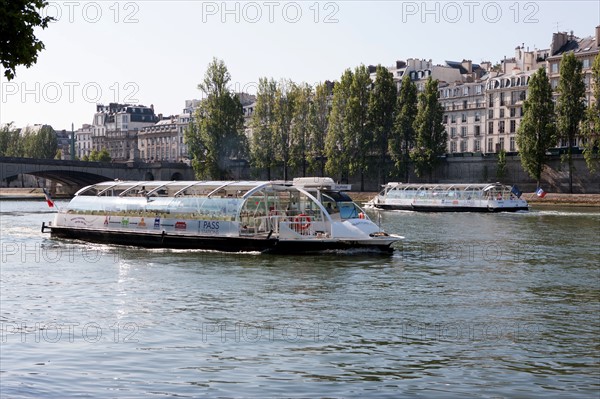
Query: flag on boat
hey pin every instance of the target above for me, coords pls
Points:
(540, 193)
(48, 198)
(515, 190)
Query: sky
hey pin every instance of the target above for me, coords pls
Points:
(157, 51)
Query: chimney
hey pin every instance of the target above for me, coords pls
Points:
(468, 65)
(559, 39)
(598, 36)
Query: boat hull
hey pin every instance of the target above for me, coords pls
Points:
(265, 244)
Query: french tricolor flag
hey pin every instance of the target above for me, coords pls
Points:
(540, 193)
(48, 198)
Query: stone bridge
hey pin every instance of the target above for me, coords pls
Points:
(77, 174)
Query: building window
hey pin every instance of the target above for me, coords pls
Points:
(491, 100)
(501, 127)
(477, 130)
(478, 89)
(490, 145)
(586, 63)
(452, 118)
(501, 144)
(465, 91)
(477, 146)
(512, 144)
(453, 146)
(555, 67)
(463, 146)
(490, 127)
(501, 99)
(477, 117)
(554, 83)
(464, 118)
(465, 105)
(513, 112)
(501, 112)
(463, 131)
(452, 132)
(445, 119)
(513, 126)
(477, 103)
(491, 114)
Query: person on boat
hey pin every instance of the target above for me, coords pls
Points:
(142, 192)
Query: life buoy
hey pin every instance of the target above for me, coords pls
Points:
(302, 222)
(361, 215)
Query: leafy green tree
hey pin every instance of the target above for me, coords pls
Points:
(501, 167)
(318, 125)
(336, 146)
(85, 158)
(570, 105)
(283, 111)
(402, 139)
(103, 156)
(216, 134)
(58, 154)
(11, 144)
(382, 103)
(261, 149)
(537, 132)
(93, 157)
(357, 136)
(301, 119)
(18, 43)
(431, 136)
(591, 131)
(41, 144)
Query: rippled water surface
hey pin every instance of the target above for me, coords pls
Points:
(469, 306)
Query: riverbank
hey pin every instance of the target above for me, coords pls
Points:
(531, 198)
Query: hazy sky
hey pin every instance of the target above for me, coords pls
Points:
(156, 52)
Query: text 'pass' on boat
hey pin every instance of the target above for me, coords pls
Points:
(306, 215)
(494, 197)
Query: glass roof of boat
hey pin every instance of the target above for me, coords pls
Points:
(445, 187)
(174, 188)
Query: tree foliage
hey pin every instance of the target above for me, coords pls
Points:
(261, 145)
(216, 134)
(570, 106)
(301, 126)
(318, 125)
(402, 139)
(41, 144)
(357, 138)
(431, 136)
(537, 132)
(336, 146)
(11, 144)
(381, 109)
(283, 111)
(591, 130)
(18, 43)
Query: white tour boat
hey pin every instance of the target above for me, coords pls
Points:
(306, 215)
(493, 197)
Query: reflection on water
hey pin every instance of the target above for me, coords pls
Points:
(469, 305)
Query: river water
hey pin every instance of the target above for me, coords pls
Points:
(468, 306)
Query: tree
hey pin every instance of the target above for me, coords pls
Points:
(11, 144)
(300, 127)
(103, 156)
(18, 43)
(537, 132)
(40, 144)
(335, 144)
(431, 136)
(591, 127)
(402, 139)
(318, 125)
(357, 135)
(216, 134)
(570, 106)
(501, 167)
(261, 148)
(285, 98)
(382, 103)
